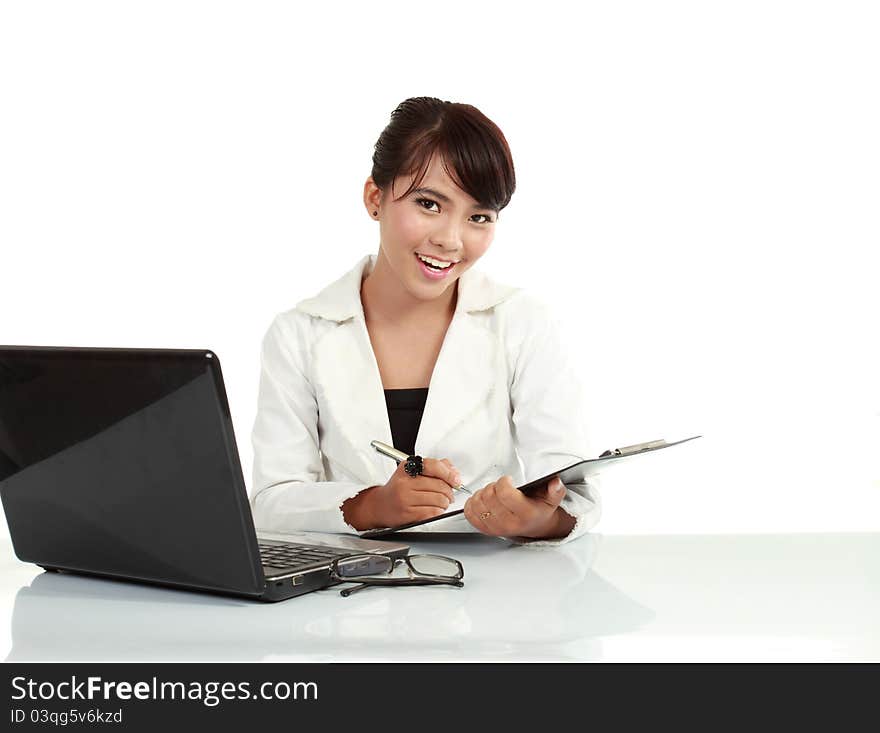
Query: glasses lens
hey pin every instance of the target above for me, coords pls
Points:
(360, 566)
(434, 565)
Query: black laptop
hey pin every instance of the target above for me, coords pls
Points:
(122, 463)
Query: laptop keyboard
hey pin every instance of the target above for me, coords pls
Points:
(292, 555)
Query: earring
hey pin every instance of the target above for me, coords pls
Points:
(375, 212)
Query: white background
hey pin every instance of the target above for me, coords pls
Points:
(697, 199)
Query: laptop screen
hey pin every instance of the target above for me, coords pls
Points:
(123, 461)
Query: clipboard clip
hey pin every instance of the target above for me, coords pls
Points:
(628, 450)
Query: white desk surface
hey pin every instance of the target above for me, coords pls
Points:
(794, 597)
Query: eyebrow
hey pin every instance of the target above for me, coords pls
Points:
(446, 199)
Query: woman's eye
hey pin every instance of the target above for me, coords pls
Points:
(426, 201)
(431, 202)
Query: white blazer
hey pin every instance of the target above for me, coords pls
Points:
(504, 399)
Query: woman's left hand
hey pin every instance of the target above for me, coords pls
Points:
(501, 510)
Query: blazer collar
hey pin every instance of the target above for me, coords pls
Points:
(341, 300)
(346, 373)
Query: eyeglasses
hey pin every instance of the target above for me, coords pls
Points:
(373, 569)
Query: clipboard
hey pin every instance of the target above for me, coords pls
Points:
(572, 474)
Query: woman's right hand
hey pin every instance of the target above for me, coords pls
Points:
(404, 498)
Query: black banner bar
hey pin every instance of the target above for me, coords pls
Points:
(152, 696)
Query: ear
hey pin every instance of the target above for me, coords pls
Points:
(372, 197)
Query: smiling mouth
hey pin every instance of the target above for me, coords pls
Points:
(434, 268)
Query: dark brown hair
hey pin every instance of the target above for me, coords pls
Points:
(474, 150)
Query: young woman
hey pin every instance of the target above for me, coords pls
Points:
(416, 348)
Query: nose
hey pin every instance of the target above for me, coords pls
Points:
(448, 236)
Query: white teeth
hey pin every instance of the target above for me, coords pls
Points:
(436, 263)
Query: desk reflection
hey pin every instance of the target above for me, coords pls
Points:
(517, 603)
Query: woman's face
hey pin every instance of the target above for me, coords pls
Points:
(437, 221)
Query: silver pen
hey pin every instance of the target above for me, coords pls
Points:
(399, 455)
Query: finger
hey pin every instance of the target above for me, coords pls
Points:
(429, 497)
(473, 509)
(555, 492)
(486, 515)
(442, 469)
(511, 498)
(422, 482)
(456, 474)
(474, 505)
(426, 484)
(550, 493)
(498, 509)
(418, 514)
(400, 471)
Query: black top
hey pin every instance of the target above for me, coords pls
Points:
(405, 408)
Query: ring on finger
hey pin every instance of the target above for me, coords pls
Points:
(413, 465)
